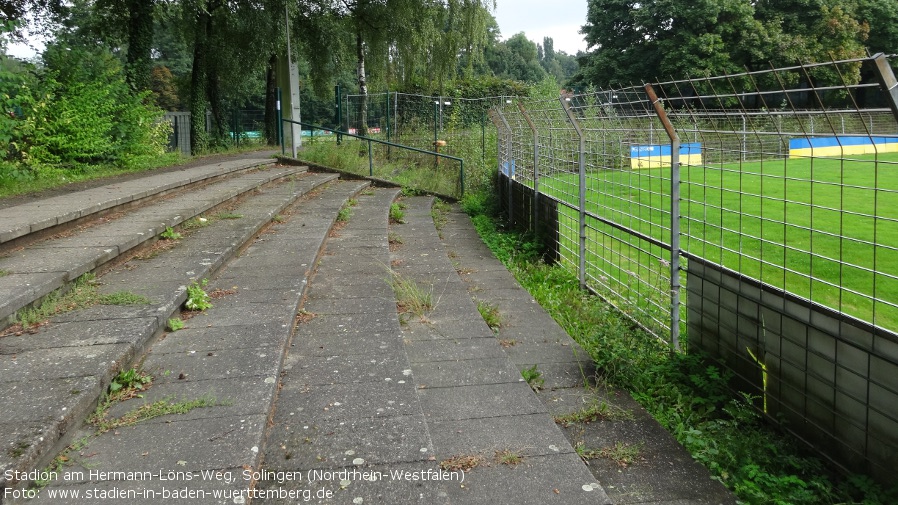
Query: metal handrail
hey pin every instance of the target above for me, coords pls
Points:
(461, 161)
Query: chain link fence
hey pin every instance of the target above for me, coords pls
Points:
(770, 197)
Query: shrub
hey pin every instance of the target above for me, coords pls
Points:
(83, 112)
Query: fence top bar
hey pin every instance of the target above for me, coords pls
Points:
(369, 139)
(804, 66)
(796, 112)
(480, 99)
(768, 92)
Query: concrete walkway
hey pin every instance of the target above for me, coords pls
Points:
(344, 361)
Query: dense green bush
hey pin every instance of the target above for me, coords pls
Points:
(73, 112)
(85, 113)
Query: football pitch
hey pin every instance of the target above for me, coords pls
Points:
(824, 229)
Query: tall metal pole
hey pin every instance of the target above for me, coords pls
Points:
(533, 205)
(280, 122)
(338, 102)
(674, 216)
(389, 151)
(582, 203)
(509, 163)
(293, 72)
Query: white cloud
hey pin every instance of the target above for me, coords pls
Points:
(559, 19)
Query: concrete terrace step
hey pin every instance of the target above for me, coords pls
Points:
(35, 216)
(665, 474)
(32, 272)
(231, 355)
(366, 399)
(474, 397)
(51, 380)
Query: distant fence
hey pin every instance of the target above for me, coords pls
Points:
(686, 205)
(451, 125)
(244, 125)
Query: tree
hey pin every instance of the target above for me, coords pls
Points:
(516, 58)
(881, 16)
(227, 38)
(634, 42)
(400, 42)
(558, 64)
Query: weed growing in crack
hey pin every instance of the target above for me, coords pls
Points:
(175, 324)
(410, 296)
(55, 466)
(81, 294)
(508, 457)
(621, 453)
(197, 298)
(397, 213)
(440, 213)
(490, 314)
(463, 463)
(344, 214)
(195, 223)
(533, 377)
(152, 410)
(170, 234)
(595, 411)
(123, 298)
(131, 379)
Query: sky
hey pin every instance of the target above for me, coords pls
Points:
(559, 19)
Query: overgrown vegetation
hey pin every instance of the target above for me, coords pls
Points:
(81, 294)
(72, 118)
(690, 398)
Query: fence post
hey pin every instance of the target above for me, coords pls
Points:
(370, 161)
(581, 269)
(461, 176)
(483, 138)
(509, 163)
(533, 205)
(674, 216)
(887, 81)
(338, 102)
(280, 122)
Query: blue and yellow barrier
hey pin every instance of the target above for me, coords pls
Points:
(656, 156)
(841, 146)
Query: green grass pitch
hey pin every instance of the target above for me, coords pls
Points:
(824, 229)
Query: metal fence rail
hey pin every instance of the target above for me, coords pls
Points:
(450, 125)
(778, 192)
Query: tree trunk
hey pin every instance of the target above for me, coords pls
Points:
(219, 132)
(271, 113)
(140, 43)
(198, 137)
(363, 84)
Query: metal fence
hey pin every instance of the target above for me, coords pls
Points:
(245, 126)
(771, 197)
(454, 126)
